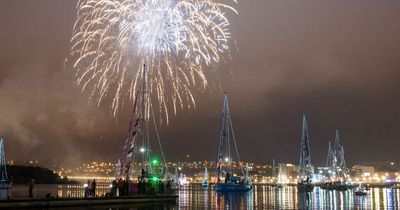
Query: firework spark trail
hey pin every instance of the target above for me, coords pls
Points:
(179, 40)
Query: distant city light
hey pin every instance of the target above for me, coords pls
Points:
(142, 150)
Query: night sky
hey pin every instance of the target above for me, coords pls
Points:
(338, 61)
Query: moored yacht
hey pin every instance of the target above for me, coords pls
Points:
(227, 179)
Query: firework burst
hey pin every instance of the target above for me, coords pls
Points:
(179, 40)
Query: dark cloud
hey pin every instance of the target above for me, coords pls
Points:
(338, 61)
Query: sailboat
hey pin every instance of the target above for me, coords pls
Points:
(227, 180)
(360, 190)
(306, 168)
(274, 182)
(336, 163)
(205, 180)
(137, 158)
(175, 180)
(281, 176)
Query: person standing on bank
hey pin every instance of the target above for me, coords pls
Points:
(31, 184)
(94, 188)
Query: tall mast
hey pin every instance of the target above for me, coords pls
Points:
(226, 138)
(329, 157)
(337, 143)
(137, 144)
(144, 120)
(305, 166)
(341, 164)
(273, 167)
(223, 138)
(137, 132)
(336, 160)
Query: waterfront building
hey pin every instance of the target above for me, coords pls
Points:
(363, 170)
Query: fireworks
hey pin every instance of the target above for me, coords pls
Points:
(179, 40)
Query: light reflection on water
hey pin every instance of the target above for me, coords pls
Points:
(267, 197)
(40, 191)
(262, 197)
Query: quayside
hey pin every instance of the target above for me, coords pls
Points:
(91, 201)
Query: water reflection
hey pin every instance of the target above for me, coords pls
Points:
(239, 200)
(40, 191)
(194, 196)
(121, 207)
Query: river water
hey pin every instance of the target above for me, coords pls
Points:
(261, 197)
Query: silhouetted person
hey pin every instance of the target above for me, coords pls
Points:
(144, 191)
(31, 184)
(149, 188)
(113, 190)
(94, 187)
(126, 186)
(227, 178)
(140, 187)
(86, 189)
(90, 188)
(143, 174)
(160, 187)
(168, 185)
(120, 185)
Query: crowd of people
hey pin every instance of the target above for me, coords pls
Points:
(146, 186)
(90, 188)
(120, 187)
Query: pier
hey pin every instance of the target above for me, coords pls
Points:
(65, 202)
